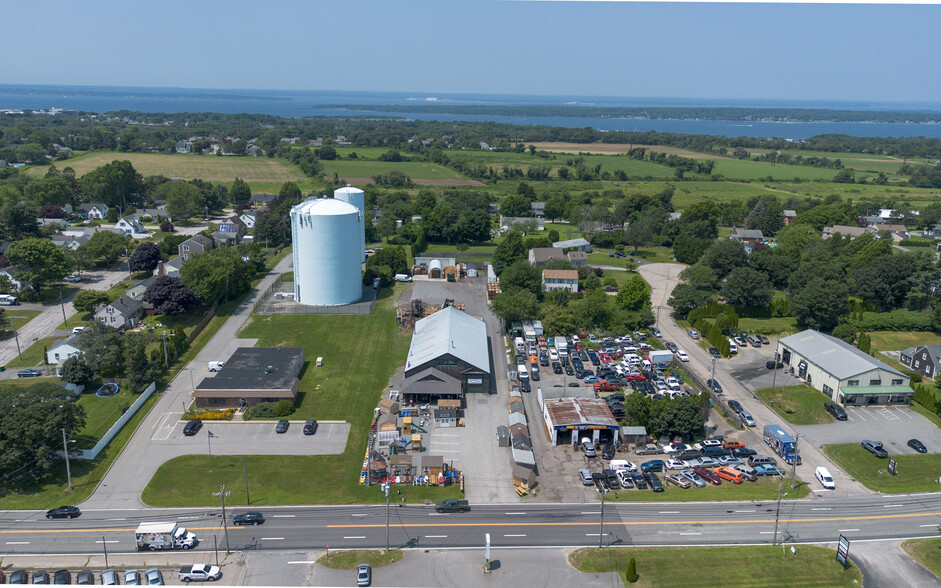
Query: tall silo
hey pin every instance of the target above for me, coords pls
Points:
(327, 255)
(357, 198)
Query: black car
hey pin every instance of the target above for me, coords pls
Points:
(774, 365)
(84, 578)
(836, 410)
(618, 397)
(282, 426)
(19, 577)
(569, 371)
(639, 481)
(670, 345)
(714, 386)
(40, 577)
(917, 446)
(574, 385)
(310, 427)
(598, 479)
(611, 477)
(192, 427)
(607, 452)
(28, 373)
(714, 352)
(735, 406)
(618, 411)
(764, 340)
(744, 452)
(62, 577)
(63, 512)
(525, 386)
(249, 518)
(544, 360)
(655, 484)
(534, 375)
(556, 367)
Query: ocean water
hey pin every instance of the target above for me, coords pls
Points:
(297, 103)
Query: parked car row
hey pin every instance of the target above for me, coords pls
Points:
(310, 427)
(110, 577)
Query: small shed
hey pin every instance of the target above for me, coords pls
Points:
(431, 466)
(517, 406)
(415, 445)
(524, 457)
(521, 441)
(517, 418)
(445, 417)
(634, 435)
(524, 477)
(514, 393)
(503, 436)
(401, 464)
(389, 406)
(519, 430)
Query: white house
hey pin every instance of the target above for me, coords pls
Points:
(579, 244)
(9, 273)
(62, 350)
(69, 241)
(131, 228)
(560, 280)
(249, 219)
(92, 210)
(123, 313)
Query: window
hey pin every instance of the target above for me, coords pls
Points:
(827, 390)
(897, 382)
(875, 382)
(917, 363)
(852, 383)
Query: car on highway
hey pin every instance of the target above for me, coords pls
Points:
(747, 419)
(363, 574)
(714, 353)
(585, 476)
(249, 518)
(917, 446)
(192, 427)
(670, 345)
(823, 476)
(310, 427)
(153, 577)
(681, 355)
(28, 373)
(875, 448)
(714, 386)
(63, 512)
(282, 426)
(836, 410)
(656, 333)
(708, 476)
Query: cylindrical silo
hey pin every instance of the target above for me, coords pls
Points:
(357, 198)
(327, 254)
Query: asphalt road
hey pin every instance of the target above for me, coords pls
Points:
(514, 525)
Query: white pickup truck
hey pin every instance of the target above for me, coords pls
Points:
(200, 573)
(215, 366)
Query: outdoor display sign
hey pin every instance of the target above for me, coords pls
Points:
(892, 465)
(843, 550)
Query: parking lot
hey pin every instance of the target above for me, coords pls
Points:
(234, 437)
(893, 425)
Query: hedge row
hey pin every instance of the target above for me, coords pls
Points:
(896, 320)
(267, 410)
(915, 242)
(714, 335)
(928, 397)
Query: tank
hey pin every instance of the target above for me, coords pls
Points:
(327, 253)
(357, 198)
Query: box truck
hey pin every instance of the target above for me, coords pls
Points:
(154, 536)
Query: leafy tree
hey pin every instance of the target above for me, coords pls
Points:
(686, 297)
(699, 276)
(240, 193)
(522, 275)
(595, 308)
(420, 244)
(515, 205)
(554, 209)
(592, 282)
(270, 228)
(634, 294)
(723, 256)
(689, 249)
(115, 184)
(515, 305)
(39, 261)
(394, 258)
(821, 304)
(170, 245)
(170, 296)
(845, 331)
(846, 176)
(184, 200)
(76, 371)
(31, 153)
(31, 420)
(88, 300)
(747, 287)
(767, 215)
(18, 221)
(864, 342)
(631, 574)
(145, 257)
(637, 234)
(51, 211)
(526, 191)
(105, 248)
(166, 226)
(139, 370)
(103, 349)
(219, 274)
(509, 251)
(289, 190)
(558, 319)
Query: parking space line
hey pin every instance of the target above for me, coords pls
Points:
(356, 537)
(436, 536)
(846, 530)
(272, 538)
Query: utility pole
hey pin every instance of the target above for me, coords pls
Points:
(105, 545)
(794, 461)
(16, 336)
(166, 362)
(604, 492)
(777, 513)
(248, 499)
(62, 306)
(774, 372)
(714, 362)
(68, 469)
(222, 493)
(386, 487)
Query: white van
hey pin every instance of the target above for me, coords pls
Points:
(733, 348)
(215, 366)
(520, 345)
(824, 477)
(523, 372)
(8, 300)
(403, 278)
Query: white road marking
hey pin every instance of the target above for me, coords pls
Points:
(443, 443)
(892, 505)
(690, 533)
(514, 513)
(765, 532)
(846, 530)
(126, 519)
(592, 534)
(360, 515)
(356, 537)
(591, 512)
(820, 509)
(927, 525)
(302, 562)
(752, 510)
(17, 542)
(436, 514)
(165, 426)
(272, 538)
(282, 516)
(108, 541)
(436, 536)
(671, 512)
(524, 535)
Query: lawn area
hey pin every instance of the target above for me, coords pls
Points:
(764, 488)
(100, 414)
(798, 405)
(565, 230)
(926, 552)
(914, 473)
(757, 566)
(738, 169)
(21, 317)
(349, 559)
(652, 254)
(898, 340)
(33, 355)
(210, 168)
(769, 326)
(417, 170)
(52, 293)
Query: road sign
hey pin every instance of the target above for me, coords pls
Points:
(892, 465)
(843, 550)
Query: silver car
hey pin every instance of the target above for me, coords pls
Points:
(585, 477)
(694, 478)
(110, 578)
(132, 578)
(153, 577)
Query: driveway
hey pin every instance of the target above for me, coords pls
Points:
(893, 425)
(662, 278)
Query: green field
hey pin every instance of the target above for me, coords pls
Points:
(898, 340)
(365, 169)
(211, 168)
(798, 405)
(21, 317)
(632, 167)
(100, 414)
(914, 473)
(32, 356)
(764, 488)
(757, 566)
(348, 559)
(743, 169)
(926, 552)
(769, 326)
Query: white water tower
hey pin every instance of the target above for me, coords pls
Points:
(327, 252)
(357, 198)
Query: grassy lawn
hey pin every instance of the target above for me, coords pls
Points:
(898, 340)
(738, 169)
(417, 170)
(349, 559)
(914, 473)
(798, 405)
(764, 488)
(926, 552)
(51, 294)
(100, 414)
(769, 326)
(52, 490)
(32, 356)
(21, 317)
(720, 566)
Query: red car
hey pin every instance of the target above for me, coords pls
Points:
(635, 377)
(606, 386)
(708, 476)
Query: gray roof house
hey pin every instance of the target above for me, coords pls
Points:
(123, 313)
(454, 343)
(62, 350)
(169, 268)
(579, 244)
(540, 255)
(193, 245)
(92, 210)
(69, 241)
(137, 292)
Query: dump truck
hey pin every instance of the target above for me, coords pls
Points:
(154, 536)
(452, 505)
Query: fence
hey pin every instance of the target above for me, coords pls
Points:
(263, 299)
(117, 426)
(271, 303)
(202, 323)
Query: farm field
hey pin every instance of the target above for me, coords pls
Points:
(737, 169)
(615, 149)
(211, 168)
(898, 340)
(359, 171)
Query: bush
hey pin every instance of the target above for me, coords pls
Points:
(896, 320)
(631, 574)
(224, 414)
(263, 410)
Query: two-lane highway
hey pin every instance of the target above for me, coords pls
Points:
(515, 525)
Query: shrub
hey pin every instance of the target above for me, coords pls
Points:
(224, 414)
(281, 408)
(896, 320)
(631, 574)
(284, 408)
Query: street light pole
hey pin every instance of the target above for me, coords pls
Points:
(794, 461)
(105, 545)
(62, 306)
(385, 488)
(604, 492)
(68, 469)
(16, 336)
(166, 362)
(248, 499)
(777, 513)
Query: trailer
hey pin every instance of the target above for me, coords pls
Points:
(660, 357)
(780, 441)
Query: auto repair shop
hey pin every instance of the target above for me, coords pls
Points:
(570, 419)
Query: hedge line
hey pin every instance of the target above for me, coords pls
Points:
(896, 320)
(930, 398)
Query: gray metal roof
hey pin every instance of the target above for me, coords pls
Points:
(571, 243)
(633, 431)
(524, 457)
(449, 331)
(835, 356)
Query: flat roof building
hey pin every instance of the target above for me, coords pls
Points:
(570, 419)
(253, 375)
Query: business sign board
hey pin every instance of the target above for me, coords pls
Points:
(892, 465)
(843, 550)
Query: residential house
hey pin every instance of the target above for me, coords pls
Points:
(898, 232)
(123, 313)
(58, 223)
(577, 258)
(539, 209)
(262, 199)
(290, 140)
(674, 216)
(62, 350)
(924, 359)
(790, 216)
(578, 244)
(193, 245)
(92, 210)
(221, 239)
(484, 146)
(10, 273)
(131, 228)
(137, 292)
(750, 238)
(248, 218)
(69, 241)
(233, 224)
(318, 142)
(873, 220)
(560, 280)
(150, 215)
(184, 146)
(170, 268)
(846, 231)
(538, 256)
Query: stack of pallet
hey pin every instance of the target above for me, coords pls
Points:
(493, 288)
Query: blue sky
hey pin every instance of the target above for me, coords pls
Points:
(801, 52)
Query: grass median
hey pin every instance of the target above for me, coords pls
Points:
(798, 405)
(764, 488)
(758, 566)
(349, 560)
(926, 552)
(914, 473)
